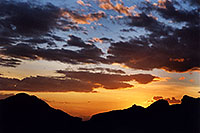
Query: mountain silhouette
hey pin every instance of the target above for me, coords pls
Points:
(25, 113)
(159, 117)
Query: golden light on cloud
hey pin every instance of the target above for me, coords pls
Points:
(82, 3)
(181, 78)
(95, 39)
(191, 80)
(119, 7)
(82, 18)
(161, 4)
(121, 65)
(177, 59)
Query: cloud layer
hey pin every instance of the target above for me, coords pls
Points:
(78, 81)
(169, 40)
(166, 47)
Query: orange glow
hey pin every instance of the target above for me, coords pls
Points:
(191, 80)
(150, 15)
(82, 3)
(95, 39)
(119, 7)
(177, 59)
(162, 79)
(121, 65)
(181, 78)
(161, 4)
(82, 18)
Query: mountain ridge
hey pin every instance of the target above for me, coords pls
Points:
(23, 112)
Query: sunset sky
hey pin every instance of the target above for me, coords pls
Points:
(90, 56)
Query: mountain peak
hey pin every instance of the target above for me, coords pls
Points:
(188, 100)
(159, 105)
(23, 99)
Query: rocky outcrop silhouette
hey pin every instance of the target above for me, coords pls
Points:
(25, 113)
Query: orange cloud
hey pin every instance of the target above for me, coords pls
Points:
(82, 18)
(82, 3)
(177, 59)
(119, 7)
(172, 100)
(181, 78)
(161, 4)
(157, 98)
(95, 39)
(121, 65)
(191, 80)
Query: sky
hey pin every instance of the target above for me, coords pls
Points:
(90, 56)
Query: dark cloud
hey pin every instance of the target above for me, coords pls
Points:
(77, 41)
(149, 23)
(127, 30)
(26, 19)
(178, 52)
(170, 12)
(108, 81)
(103, 70)
(172, 100)
(24, 25)
(193, 2)
(32, 23)
(104, 39)
(100, 40)
(23, 51)
(157, 98)
(166, 47)
(9, 62)
(44, 84)
(72, 81)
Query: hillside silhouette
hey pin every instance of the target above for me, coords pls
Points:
(25, 113)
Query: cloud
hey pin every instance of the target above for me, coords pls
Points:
(109, 70)
(77, 41)
(44, 84)
(27, 19)
(172, 48)
(77, 81)
(82, 18)
(28, 22)
(181, 78)
(21, 21)
(170, 12)
(119, 7)
(172, 100)
(170, 40)
(9, 62)
(101, 40)
(157, 98)
(108, 81)
(91, 54)
(176, 52)
(82, 3)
